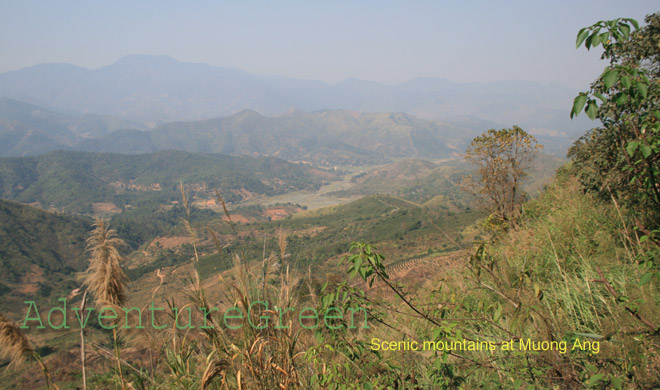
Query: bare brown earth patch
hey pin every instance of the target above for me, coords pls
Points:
(247, 195)
(236, 218)
(323, 174)
(276, 214)
(31, 280)
(169, 242)
(105, 208)
(210, 202)
(313, 231)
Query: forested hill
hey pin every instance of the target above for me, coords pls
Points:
(39, 251)
(87, 182)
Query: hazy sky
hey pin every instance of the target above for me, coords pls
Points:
(384, 41)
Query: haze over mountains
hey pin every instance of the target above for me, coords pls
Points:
(26, 129)
(158, 89)
(331, 137)
(324, 137)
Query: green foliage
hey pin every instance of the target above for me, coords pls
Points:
(415, 180)
(338, 356)
(366, 262)
(74, 181)
(494, 224)
(571, 272)
(376, 219)
(568, 273)
(622, 158)
(42, 245)
(141, 225)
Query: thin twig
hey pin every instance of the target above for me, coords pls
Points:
(633, 312)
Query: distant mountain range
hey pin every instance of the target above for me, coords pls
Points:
(326, 138)
(158, 89)
(331, 137)
(26, 129)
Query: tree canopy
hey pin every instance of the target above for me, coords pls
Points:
(503, 157)
(621, 158)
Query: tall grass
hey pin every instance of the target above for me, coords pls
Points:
(571, 271)
(105, 279)
(16, 347)
(252, 355)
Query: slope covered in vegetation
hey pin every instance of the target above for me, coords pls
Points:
(75, 181)
(40, 252)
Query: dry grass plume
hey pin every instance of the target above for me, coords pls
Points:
(105, 278)
(13, 343)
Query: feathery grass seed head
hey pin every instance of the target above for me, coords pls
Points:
(105, 278)
(13, 343)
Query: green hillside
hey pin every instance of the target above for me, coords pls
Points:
(415, 180)
(88, 182)
(423, 181)
(39, 252)
(403, 228)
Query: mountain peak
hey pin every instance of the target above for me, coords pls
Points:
(134, 59)
(247, 114)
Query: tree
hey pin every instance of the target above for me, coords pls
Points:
(503, 157)
(621, 159)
